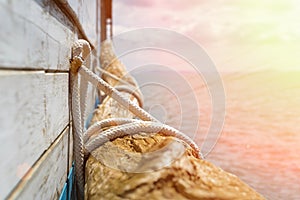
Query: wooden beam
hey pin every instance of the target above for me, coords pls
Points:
(106, 14)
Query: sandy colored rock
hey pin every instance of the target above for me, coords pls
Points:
(152, 166)
(186, 178)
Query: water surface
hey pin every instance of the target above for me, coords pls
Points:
(261, 135)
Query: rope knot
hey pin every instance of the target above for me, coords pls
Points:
(76, 63)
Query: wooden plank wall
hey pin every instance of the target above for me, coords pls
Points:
(35, 135)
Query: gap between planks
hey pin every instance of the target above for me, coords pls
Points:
(15, 191)
(34, 70)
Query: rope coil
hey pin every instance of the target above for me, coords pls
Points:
(135, 127)
(118, 127)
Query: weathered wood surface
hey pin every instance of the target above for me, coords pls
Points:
(187, 177)
(56, 103)
(87, 15)
(22, 122)
(35, 48)
(32, 38)
(37, 35)
(34, 111)
(46, 178)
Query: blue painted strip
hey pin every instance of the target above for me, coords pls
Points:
(70, 181)
(68, 186)
(66, 193)
(97, 102)
(63, 195)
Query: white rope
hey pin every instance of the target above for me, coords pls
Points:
(132, 91)
(81, 49)
(77, 129)
(132, 127)
(115, 94)
(121, 126)
(104, 124)
(139, 112)
(125, 86)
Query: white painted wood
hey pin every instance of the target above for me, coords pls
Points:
(88, 20)
(34, 111)
(22, 125)
(32, 37)
(76, 5)
(34, 105)
(87, 15)
(57, 104)
(46, 178)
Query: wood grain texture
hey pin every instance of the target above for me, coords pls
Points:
(22, 123)
(88, 20)
(32, 37)
(75, 5)
(87, 16)
(37, 39)
(56, 104)
(46, 178)
(34, 111)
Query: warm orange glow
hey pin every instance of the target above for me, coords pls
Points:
(255, 45)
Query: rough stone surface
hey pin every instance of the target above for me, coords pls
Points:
(152, 166)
